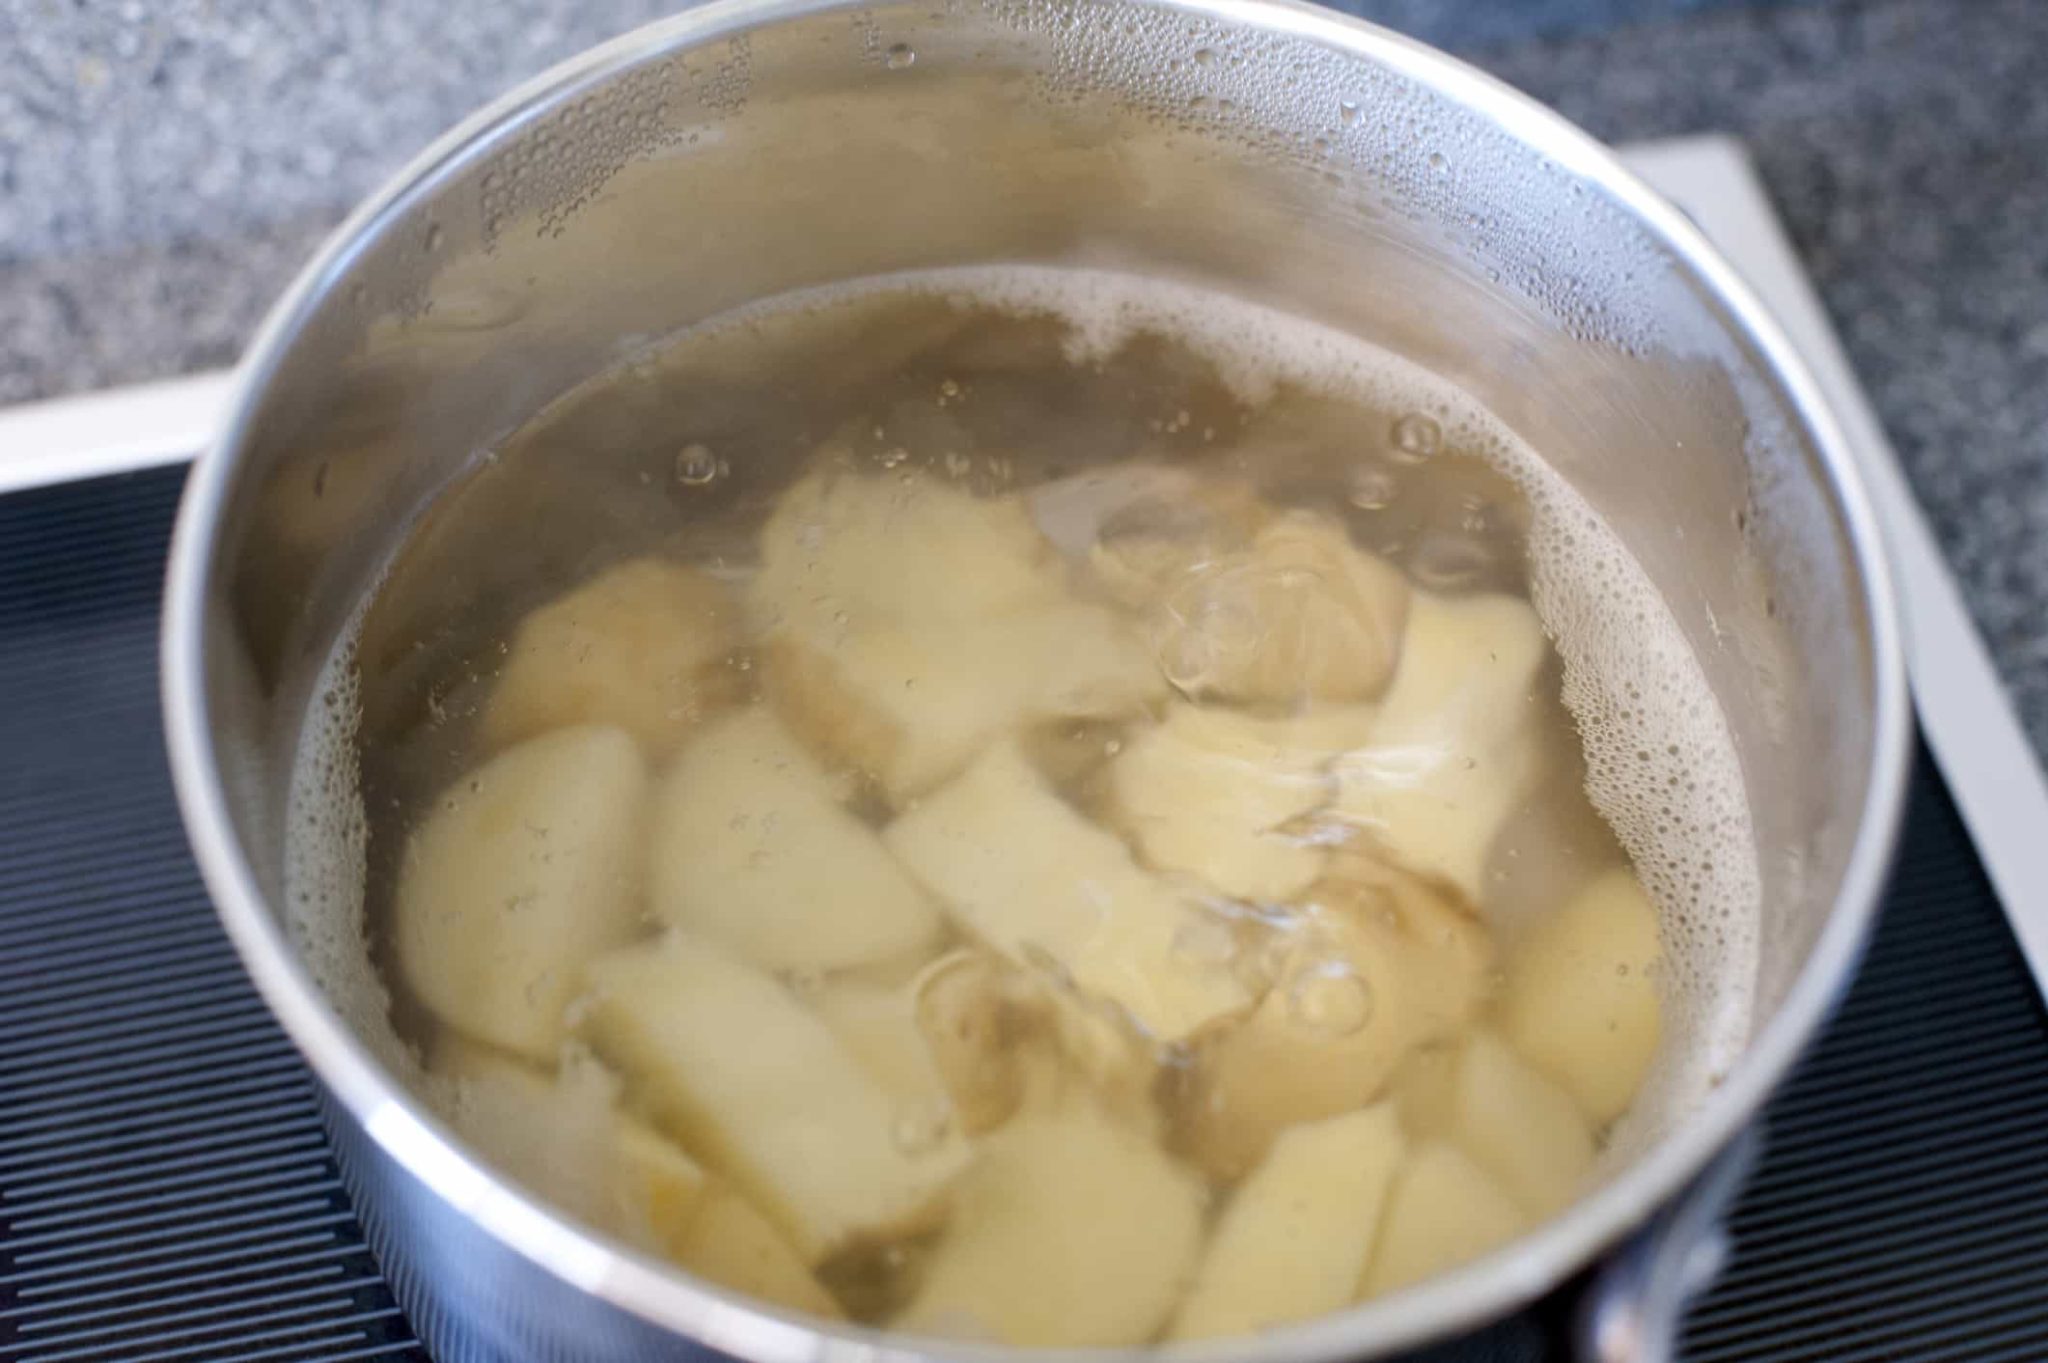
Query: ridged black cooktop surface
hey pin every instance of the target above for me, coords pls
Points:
(166, 1190)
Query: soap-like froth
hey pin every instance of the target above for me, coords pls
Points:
(1660, 760)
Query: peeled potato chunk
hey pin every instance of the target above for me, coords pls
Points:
(968, 1016)
(753, 1083)
(1024, 872)
(1443, 1211)
(643, 646)
(1298, 1233)
(841, 543)
(1580, 1000)
(1455, 749)
(729, 1243)
(1212, 792)
(1300, 615)
(1068, 1230)
(1373, 966)
(910, 624)
(752, 848)
(911, 703)
(524, 870)
(1516, 1124)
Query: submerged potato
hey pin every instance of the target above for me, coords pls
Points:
(1443, 1211)
(1580, 999)
(1068, 1231)
(523, 871)
(1373, 966)
(753, 848)
(759, 1088)
(1456, 747)
(1296, 1236)
(1300, 615)
(1215, 793)
(1024, 872)
(562, 1136)
(644, 646)
(1517, 1125)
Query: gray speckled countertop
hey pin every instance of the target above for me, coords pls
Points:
(165, 166)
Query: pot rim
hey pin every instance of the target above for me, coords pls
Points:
(1464, 1298)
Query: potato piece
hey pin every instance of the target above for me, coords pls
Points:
(729, 1243)
(1455, 749)
(912, 703)
(524, 870)
(1211, 792)
(1021, 870)
(644, 645)
(1298, 1233)
(1067, 1231)
(1375, 966)
(750, 1080)
(1301, 615)
(1581, 1000)
(843, 551)
(752, 848)
(1517, 1125)
(1442, 1211)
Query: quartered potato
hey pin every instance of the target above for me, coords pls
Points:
(1442, 1211)
(911, 703)
(1373, 966)
(760, 1089)
(1580, 999)
(1301, 615)
(910, 624)
(1068, 1231)
(562, 1136)
(524, 870)
(729, 1243)
(1022, 871)
(1217, 793)
(1516, 1124)
(1455, 749)
(1296, 1236)
(752, 848)
(644, 646)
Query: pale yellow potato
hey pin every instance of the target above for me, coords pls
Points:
(1022, 871)
(1068, 1231)
(522, 871)
(755, 1085)
(1297, 1234)
(1376, 965)
(730, 1243)
(912, 702)
(1301, 614)
(1443, 1211)
(645, 646)
(1514, 1122)
(1456, 746)
(872, 548)
(1216, 792)
(752, 847)
(1580, 999)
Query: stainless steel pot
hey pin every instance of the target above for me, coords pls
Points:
(1272, 149)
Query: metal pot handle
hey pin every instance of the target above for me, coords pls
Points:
(1635, 1304)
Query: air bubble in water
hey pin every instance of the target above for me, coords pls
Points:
(1205, 56)
(899, 56)
(696, 465)
(1373, 487)
(1439, 163)
(1416, 437)
(1444, 562)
